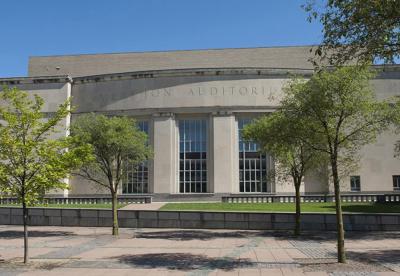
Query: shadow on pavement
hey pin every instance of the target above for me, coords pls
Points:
(12, 234)
(389, 256)
(195, 235)
(331, 235)
(181, 261)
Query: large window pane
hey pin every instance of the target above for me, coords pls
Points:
(252, 165)
(137, 177)
(193, 156)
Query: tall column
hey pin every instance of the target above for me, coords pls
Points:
(224, 149)
(165, 160)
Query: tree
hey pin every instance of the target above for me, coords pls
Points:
(115, 142)
(31, 161)
(357, 29)
(295, 158)
(340, 108)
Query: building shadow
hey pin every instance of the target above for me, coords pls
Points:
(183, 261)
(13, 234)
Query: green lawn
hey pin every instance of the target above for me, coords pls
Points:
(96, 205)
(283, 207)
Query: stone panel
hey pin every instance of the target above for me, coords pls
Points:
(236, 217)
(70, 213)
(128, 222)
(192, 224)
(260, 217)
(52, 212)
(55, 221)
(128, 214)
(70, 221)
(5, 211)
(168, 215)
(191, 216)
(105, 213)
(213, 216)
(89, 213)
(148, 215)
(169, 223)
(88, 221)
(151, 223)
(36, 212)
(5, 219)
(16, 211)
(105, 221)
(260, 225)
(17, 220)
(390, 219)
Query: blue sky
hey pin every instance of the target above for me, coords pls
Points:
(51, 27)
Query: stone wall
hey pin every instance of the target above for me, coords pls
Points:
(198, 220)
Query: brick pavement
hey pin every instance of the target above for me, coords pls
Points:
(92, 251)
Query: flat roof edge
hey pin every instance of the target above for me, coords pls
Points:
(178, 51)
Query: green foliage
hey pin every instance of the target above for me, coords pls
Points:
(358, 29)
(276, 134)
(115, 141)
(31, 161)
(340, 109)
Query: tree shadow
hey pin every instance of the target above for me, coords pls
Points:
(14, 234)
(331, 236)
(389, 256)
(182, 261)
(186, 235)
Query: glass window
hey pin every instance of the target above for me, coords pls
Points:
(396, 182)
(355, 183)
(253, 166)
(137, 177)
(193, 156)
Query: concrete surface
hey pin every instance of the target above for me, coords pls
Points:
(92, 251)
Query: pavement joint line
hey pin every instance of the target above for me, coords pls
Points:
(77, 249)
(237, 251)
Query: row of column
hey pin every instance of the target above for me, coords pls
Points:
(222, 165)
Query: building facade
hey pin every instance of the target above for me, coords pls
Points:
(193, 106)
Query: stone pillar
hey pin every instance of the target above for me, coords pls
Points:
(165, 160)
(225, 155)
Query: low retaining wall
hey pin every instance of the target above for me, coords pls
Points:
(198, 220)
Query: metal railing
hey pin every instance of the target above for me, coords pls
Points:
(353, 198)
(82, 200)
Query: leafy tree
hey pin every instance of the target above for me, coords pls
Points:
(357, 29)
(340, 108)
(31, 161)
(115, 141)
(274, 133)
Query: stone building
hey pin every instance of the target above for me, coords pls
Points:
(193, 105)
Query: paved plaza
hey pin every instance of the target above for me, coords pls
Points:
(93, 251)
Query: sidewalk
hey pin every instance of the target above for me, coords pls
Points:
(144, 206)
(93, 251)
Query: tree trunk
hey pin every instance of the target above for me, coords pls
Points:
(25, 219)
(341, 254)
(114, 213)
(298, 208)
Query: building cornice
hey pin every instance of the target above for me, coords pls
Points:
(196, 72)
(35, 80)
